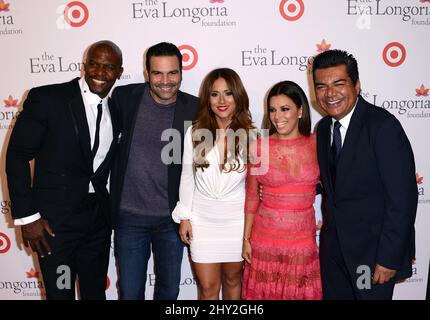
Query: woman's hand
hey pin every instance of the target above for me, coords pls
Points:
(186, 231)
(246, 251)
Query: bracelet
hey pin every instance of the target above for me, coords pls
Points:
(245, 239)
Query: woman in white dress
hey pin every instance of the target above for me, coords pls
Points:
(211, 202)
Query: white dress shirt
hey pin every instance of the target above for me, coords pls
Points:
(91, 101)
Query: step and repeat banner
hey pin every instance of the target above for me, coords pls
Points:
(43, 42)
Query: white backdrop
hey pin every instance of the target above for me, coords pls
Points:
(42, 42)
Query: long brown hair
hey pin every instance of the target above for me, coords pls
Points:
(241, 119)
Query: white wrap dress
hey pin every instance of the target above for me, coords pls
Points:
(214, 202)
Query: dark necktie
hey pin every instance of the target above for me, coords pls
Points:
(97, 138)
(336, 146)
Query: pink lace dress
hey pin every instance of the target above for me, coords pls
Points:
(284, 263)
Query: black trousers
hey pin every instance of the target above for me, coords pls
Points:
(80, 248)
(339, 284)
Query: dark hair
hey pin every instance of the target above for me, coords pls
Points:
(163, 49)
(293, 91)
(205, 119)
(107, 44)
(334, 58)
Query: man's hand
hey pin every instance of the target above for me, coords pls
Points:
(186, 231)
(382, 274)
(247, 251)
(33, 234)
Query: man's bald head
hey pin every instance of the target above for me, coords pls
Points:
(108, 45)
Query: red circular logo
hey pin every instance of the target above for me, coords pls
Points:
(76, 14)
(291, 10)
(4, 243)
(394, 54)
(107, 282)
(189, 56)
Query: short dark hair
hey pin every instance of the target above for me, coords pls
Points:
(293, 91)
(334, 58)
(163, 49)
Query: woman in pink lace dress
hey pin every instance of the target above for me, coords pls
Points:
(279, 244)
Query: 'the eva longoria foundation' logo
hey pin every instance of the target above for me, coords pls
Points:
(415, 12)
(7, 21)
(417, 105)
(8, 112)
(48, 62)
(260, 56)
(212, 13)
(31, 286)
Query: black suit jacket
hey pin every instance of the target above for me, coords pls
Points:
(374, 204)
(53, 130)
(126, 101)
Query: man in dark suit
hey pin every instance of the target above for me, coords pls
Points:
(63, 210)
(367, 242)
(147, 173)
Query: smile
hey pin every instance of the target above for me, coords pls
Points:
(98, 82)
(334, 102)
(281, 124)
(166, 89)
(222, 108)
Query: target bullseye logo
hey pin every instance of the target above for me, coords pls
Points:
(4, 243)
(76, 14)
(291, 10)
(394, 54)
(189, 56)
